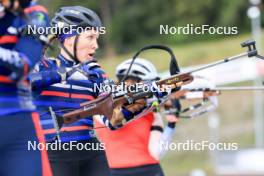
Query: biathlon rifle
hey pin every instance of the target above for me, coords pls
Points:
(104, 105)
(208, 97)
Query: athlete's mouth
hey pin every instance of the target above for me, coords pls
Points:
(91, 54)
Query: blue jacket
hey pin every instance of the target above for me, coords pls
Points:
(18, 54)
(63, 97)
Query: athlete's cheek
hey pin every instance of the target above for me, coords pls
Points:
(84, 45)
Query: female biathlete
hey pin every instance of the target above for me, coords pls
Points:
(135, 149)
(19, 122)
(62, 83)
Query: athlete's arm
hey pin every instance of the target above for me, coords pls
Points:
(160, 136)
(27, 50)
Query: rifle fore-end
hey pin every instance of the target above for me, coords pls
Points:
(176, 80)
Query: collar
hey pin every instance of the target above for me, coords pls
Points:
(66, 62)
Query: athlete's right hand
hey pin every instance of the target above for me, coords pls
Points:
(94, 71)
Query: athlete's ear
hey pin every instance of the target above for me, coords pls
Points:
(68, 42)
(15, 5)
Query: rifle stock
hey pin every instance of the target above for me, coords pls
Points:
(100, 106)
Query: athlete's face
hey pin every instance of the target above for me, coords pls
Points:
(5, 3)
(86, 46)
(132, 81)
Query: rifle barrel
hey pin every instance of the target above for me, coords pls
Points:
(238, 88)
(219, 62)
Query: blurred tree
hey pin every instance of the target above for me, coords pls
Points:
(105, 11)
(133, 23)
(233, 13)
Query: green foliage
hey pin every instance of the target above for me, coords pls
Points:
(134, 23)
(137, 22)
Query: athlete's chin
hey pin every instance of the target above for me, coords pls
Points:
(85, 57)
